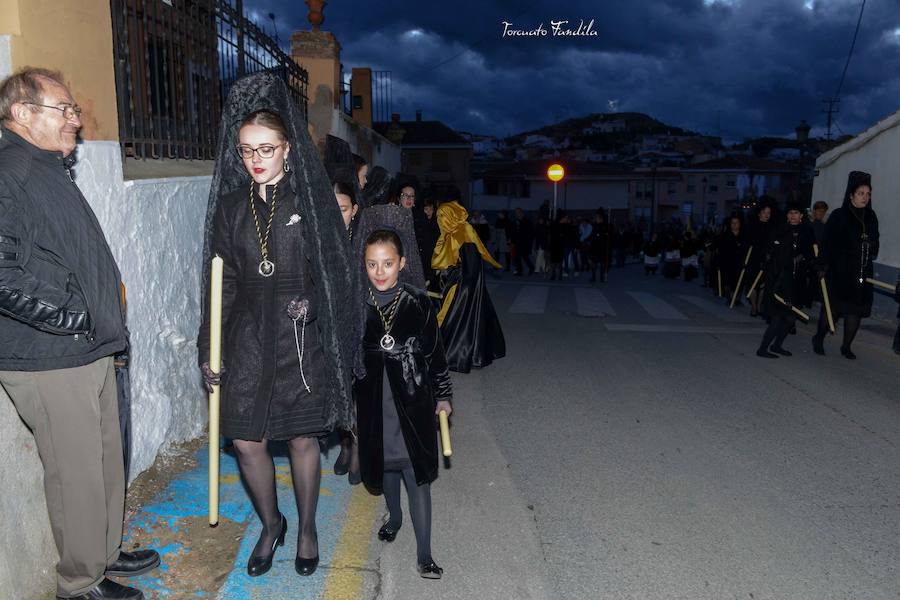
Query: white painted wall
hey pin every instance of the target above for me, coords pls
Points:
(874, 151)
(384, 153)
(155, 230)
(5, 59)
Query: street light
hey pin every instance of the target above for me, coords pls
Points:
(555, 173)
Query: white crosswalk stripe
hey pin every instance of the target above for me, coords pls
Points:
(657, 307)
(531, 300)
(592, 303)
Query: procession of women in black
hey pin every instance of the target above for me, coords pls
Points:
(345, 305)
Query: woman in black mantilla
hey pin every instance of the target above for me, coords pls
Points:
(404, 385)
(788, 274)
(759, 238)
(286, 338)
(849, 250)
(732, 250)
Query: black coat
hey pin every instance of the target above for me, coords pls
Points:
(789, 269)
(471, 330)
(427, 234)
(60, 305)
(760, 238)
(732, 250)
(263, 393)
(522, 235)
(598, 243)
(850, 259)
(417, 374)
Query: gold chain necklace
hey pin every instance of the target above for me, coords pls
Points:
(266, 266)
(387, 340)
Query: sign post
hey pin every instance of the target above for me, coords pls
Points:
(555, 173)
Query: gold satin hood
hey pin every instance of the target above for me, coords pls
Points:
(452, 219)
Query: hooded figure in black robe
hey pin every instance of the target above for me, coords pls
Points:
(340, 166)
(788, 271)
(849, 250)
(264, 393)
(759, 237)
(469, 324)
(378, 187)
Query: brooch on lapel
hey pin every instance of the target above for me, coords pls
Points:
(295, 218)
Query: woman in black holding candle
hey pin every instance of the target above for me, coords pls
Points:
(850, 248)
(287, 341)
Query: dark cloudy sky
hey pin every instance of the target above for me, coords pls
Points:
(732, 67)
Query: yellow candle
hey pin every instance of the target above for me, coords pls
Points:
(825, 300)
(885, 286)
(755, 281)
(445, 433)
(215, 364)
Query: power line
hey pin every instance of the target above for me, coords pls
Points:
(833, 102)
(852, 46)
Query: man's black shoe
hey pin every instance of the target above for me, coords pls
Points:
(132, 564)
(109, 590)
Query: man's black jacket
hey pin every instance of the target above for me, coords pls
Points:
(60, 304)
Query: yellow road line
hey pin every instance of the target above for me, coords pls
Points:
(345, 577)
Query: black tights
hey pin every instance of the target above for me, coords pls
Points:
(851, 326)
(258, 472)
(419, 508)
(777, 331)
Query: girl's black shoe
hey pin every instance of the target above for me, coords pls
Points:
(260, 565)
(388, 533)
(429, 570)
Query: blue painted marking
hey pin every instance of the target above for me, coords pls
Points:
(186, 496)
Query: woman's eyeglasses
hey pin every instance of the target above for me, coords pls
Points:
(264, 151)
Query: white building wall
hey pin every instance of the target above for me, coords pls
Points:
(384, 153)
(874, 151)
(155, 230)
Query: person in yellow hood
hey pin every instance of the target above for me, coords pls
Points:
(469, 325)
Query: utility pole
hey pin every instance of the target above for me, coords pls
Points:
(831, 108)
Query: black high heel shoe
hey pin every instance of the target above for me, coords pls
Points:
(306, 566)
(260, 565)
(342, 464)
(387, 533)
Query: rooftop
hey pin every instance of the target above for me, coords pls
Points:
(423, 133)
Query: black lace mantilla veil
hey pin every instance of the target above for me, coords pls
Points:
(326, 247)
(340, 166)
(396, 219)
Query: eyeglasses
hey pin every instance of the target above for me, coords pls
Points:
(408, 196)
(264, 151)
(69, 111)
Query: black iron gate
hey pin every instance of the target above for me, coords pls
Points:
(175, 62)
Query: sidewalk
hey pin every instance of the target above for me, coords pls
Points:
(483, 534)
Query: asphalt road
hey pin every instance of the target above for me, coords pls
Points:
(632, 445)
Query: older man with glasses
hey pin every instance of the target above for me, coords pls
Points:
(61, 321)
